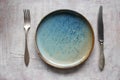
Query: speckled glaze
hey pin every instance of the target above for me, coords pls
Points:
(64, 39)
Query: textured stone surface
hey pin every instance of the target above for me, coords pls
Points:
(12, 40)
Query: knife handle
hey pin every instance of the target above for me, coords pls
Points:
(101, 57)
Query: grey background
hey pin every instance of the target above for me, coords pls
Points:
(12, 65)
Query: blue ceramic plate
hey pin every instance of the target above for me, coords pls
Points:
(64, 39)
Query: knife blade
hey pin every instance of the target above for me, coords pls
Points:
(101, 38)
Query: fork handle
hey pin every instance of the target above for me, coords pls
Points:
(26, 54)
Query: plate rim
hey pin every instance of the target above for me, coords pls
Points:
(83, 59)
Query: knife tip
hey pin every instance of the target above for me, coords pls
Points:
(101, 6)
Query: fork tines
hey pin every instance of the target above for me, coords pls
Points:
(26, 15)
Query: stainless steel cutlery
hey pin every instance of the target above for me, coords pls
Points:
(27, 21)
(101, 38)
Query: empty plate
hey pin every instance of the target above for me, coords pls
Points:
(64, 39)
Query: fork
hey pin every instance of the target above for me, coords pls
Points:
(26, 28)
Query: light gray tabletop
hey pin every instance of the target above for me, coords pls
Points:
(12, 41)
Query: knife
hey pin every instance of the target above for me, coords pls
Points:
(101, 38)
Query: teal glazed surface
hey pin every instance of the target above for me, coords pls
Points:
(64, 39)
